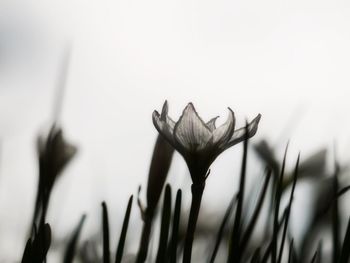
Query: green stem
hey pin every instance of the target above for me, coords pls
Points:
(197, 192)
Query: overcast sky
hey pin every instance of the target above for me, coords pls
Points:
(288, 60)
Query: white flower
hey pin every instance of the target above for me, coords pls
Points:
(198, 142)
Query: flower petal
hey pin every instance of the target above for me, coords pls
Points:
(239, 134)
(165, 128)
(222, 134)
(164, 116)
(211, 124)
(190, 131)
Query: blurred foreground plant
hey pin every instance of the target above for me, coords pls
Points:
(54, 154)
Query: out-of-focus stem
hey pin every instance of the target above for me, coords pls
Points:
(197, 192)
(146, 233)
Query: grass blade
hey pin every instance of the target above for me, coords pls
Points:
(222, 228)
(72, 244)
(256, 256)
(105, 227)
(172, 252)
(251, 225)
(234, 253)
(269, 247)
(289, 207)
(278, 196)
(335, 219)
(121, 243)
(315, 256)
(345, 252)
(290, 253)
(164, 229)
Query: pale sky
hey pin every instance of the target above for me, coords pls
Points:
(288, 60)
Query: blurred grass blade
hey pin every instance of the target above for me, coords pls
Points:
(314, 165)
(256, 213)
(41, 243)
(121, 243)
(266, 154)
(256, 256)
(62, 79)
(164, 228)
(269, 247)
(319, 252)
(315, 256)
(158, 171)
(234, 253)
(345, 252)
(335, 218)
(222, 228)
(72, 244)
(105, 228)
(289, 207)
(37, 248)
(343, 191)
(27, 254)
(172, 252)
(290, 253)
(278, 196)
(160, 164)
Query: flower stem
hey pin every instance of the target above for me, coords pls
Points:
(197, 192)
(145, 236)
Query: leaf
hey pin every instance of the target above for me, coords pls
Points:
(256, 256)
(105, 228)
(345, 252)
(121, 243)
(164, 229)
(222, 228)
(335, 220)
(315, 256)
(289, 207)
(291, 251)
(160, 164)
(70, 250)
(269, 247)
(175, 230)
(37, 248)
(253, 220)
(278, 196)
(234, 253)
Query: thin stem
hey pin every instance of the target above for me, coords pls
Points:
(146, 232)
(197, 192)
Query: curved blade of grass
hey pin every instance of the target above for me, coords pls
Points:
(27, 254)
(234, 253)
(345, 252)
(105, 228)
(164, 229)
(172, 252)
(343, 190)
(222, 228)
(72, 244)
(278, 196)
(314, 257)
(289, 207)
(269, 247)
(160, 164)
(335, 219)
(40, 245)
(121, 243)
(256, 256)
(290, 253)
(251, 225)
